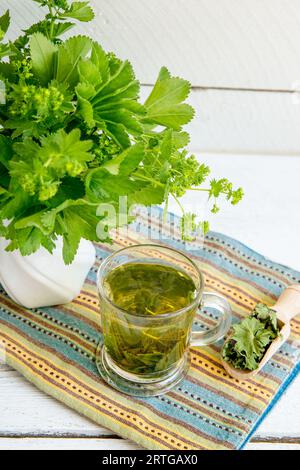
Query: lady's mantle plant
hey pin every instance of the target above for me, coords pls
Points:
(74, 135)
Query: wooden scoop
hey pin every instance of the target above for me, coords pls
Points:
(287, 307)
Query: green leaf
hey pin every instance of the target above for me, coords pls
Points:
(102, 186)
(126, 162)
(164, 105)
(166, 146)
(147, 195)
(78, 222)
(262, 311)
(40, 169)
(248, 343)
(34, 220)
(29, 240)
(116, 131)
(65, 149)
(22, 128)
(266, 315)
(69, 55)
(80, 11)
(5, 50)
(6, 70)
(43, 53)
(4, 24)
(115, 105)
(61, 28)
(89, 73)
(174, 116)
(48, 218)
(67, 145)
(180, 139)
(121, 82)
(84, 108)
(100, 60)
(6, 151)
(16, 205)
(70, 188)
(168, 90)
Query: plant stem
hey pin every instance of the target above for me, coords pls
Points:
(178, 202)
(206, 190)
(145, 178)
(50, 6)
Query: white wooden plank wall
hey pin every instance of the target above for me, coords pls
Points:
(241, 56)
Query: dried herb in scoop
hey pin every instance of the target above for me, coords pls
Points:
(251, 338)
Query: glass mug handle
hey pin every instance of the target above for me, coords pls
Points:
(218, 302)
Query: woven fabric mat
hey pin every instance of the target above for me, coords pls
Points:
(54, 348)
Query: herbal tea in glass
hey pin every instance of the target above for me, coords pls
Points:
(149, 296)
(148, 289)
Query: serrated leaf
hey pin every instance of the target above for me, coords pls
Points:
(61, 28)
(43, 53)
(80, 11)
(103, 186)
(89, 73)
(246, 335)
(65, 146)
(17, 205)
(29, 240)
(85, 108)
(115, 105)
(180, 139)
(247, 345)
(117, 132)
(166, 146)
(168, 90)
(4, 24)
(174, 116)
(69, 55)
(164, 104)
(100, 60)
(126, 162)
(147, 195)
(122, 81)
(5, 50)
(79, 222)
(34, 220)
(24, 128)
(163, 74)
(48, 218)
(121, 116)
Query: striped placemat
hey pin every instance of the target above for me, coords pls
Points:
(55, 348)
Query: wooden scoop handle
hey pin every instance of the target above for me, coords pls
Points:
(288, 304)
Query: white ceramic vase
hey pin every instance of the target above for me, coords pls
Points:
(42, 279)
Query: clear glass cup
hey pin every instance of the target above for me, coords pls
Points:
(149, 373)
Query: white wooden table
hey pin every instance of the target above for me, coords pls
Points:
(269, 221)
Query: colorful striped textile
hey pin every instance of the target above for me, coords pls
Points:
(54, 348)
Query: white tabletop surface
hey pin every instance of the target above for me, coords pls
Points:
(268, 220)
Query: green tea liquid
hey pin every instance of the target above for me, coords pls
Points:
(143, 343)
(149, 289)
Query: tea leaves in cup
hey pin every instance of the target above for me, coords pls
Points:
(147, 291)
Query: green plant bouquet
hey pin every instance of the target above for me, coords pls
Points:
(74, 135)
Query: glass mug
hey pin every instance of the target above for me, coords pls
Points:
(147, 355)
